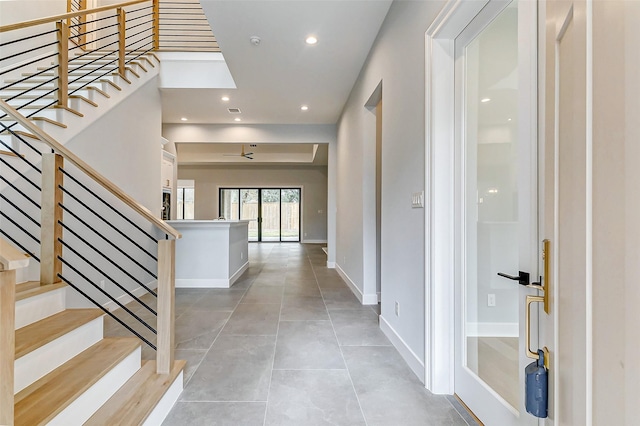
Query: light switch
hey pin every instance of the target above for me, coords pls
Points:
(417, 200)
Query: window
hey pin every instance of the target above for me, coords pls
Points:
(186, 199)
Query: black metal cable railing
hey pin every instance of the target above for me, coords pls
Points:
(103, 291)
(86, 36)
(17, 205)
(21, 139)
(105, 310)
(107, 276)
(109, 206)
(98, 243)
(107, 240)
(107, 259)
(19, 245)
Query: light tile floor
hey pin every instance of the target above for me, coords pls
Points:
(289, 344)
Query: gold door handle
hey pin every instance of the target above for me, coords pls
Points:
(527, 327)
(546, 257)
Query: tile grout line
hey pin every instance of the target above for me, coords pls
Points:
(215, 338)
(346, 366)
(273, 361)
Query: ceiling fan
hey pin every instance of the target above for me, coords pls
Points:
(247, 155)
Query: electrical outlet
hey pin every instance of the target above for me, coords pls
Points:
(305, 234)
(102, 284)
(344, 259)
(397, 309)
(241, 255)
(491, 300)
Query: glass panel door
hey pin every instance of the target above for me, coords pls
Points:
(249, 211)
(274, 213)
(270, 214)
(290, 215)
(229, 206)
(497, 196)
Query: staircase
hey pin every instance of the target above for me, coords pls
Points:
(60, 219)
(67, 373)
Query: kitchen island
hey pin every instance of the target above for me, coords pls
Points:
(211, 253)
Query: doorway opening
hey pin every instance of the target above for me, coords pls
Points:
(273, 213)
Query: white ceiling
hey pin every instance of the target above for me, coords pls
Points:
(263, 154)
(275, 78)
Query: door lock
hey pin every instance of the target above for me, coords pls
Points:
(523, 278)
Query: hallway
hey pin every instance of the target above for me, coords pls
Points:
(289, 344)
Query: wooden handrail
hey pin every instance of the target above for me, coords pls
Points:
(70, 15)
(79, 163)
(11, 258)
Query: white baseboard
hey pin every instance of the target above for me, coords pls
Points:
(331, 265)
(238, 273)
(202, 283)
(407, 354)
(492, 329)
(365, 299)
(211, 282)
(305, 241)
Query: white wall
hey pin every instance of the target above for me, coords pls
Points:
(312, 179)
(124, 145)
(14, 11)
(396, 60)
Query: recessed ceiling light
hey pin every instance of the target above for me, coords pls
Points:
(237, 119)
(509, 119)
(311, 40)
(184, 119)
(304, 107)
(225, 98)
(485, 100)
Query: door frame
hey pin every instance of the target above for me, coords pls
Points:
(259, 189)
(441, 215)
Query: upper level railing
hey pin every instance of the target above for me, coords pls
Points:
(183, 27)
(57, 47)
(43, 61)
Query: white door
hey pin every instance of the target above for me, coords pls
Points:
(567, 208)
(497, 205)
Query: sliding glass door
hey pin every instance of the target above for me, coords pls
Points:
(274, 213)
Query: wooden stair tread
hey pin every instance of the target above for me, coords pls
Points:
(33, 288)
(33, 336)
(137, 398)
(44, 399)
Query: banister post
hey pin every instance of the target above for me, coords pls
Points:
(51, 213)
(82, 29)
(122, 38)
(166, 305)
(7, 344)
(62, 82)
(156, 24)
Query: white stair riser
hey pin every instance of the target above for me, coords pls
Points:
(45, 359)
(40, 307)
(80, 410)
(161, 411)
